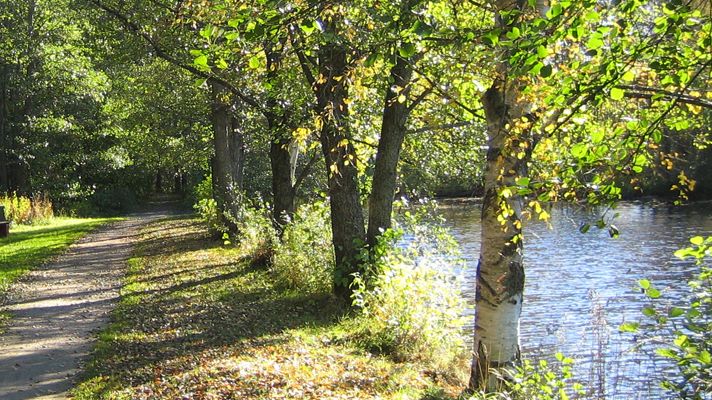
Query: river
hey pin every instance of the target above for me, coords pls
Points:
(581, 287)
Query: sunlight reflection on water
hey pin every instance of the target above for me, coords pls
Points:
(581, 287)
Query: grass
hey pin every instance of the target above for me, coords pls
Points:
(201, 321)
(28, 246)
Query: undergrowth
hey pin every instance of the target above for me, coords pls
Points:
(198, 320)
(23, 210)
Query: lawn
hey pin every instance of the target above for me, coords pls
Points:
(29, 246)
(198, 320)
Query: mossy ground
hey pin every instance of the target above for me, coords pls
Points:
(198, 320)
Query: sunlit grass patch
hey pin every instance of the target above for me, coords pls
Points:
(200, 320)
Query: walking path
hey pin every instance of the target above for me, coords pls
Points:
(57, 309)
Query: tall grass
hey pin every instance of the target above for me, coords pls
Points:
(25, 210)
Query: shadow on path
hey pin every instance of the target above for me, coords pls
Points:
(56, 310)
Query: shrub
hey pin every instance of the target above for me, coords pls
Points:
(538, 381)
(683, 333)
(207, 207)
(23, 210)
(257, 236)
(409, 299)
(304, 259)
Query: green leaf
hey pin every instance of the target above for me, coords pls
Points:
(649, 312)
(308, 27)
(514, 34)
(523, 181)
(201, 61)
(584, 227)
(407, 50)
(254, 62)
(594, 43)
(675, 312)
(681, 340)
(545, 71)
(644, 284)
(421, 29)
(629, 327)
(221, 64)
(371, 60)
(617, 93)
(491, 38)
(597, 136)
(652, 293)
(697, 240)
(578, 150)
(554, 11)
(593, 16)
(542, 52)
(667, 353)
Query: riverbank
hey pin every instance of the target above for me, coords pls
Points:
(200, 320)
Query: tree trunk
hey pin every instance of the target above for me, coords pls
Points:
(500, 270)
(395, 115)
(225, 188)
(4, 114)
(237, 154)
(347, 222)
(283, 190)
(159, 182)
(282, 183)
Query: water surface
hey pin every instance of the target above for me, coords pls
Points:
(581, 287)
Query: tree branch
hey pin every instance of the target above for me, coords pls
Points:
(162, 53)
(305, 171)
(647, 92)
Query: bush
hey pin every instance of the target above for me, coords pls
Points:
(683, 333)
(23, 210)
(409, 299)
(206, 206)
(538, 381)
(257, 236)
(304, 259)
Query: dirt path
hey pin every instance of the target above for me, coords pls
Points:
(58, 308)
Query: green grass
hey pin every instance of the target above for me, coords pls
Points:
(29, 246)
(201, 321)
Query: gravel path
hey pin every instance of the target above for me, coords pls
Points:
(57, 309)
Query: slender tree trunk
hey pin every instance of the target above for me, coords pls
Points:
(178, 181)
(159, 182)
(500, 270)
(283, 190)
(237, 154)
(225, 189)
(282, 184)
(395, 115)
(4, 113)
(347, 222)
